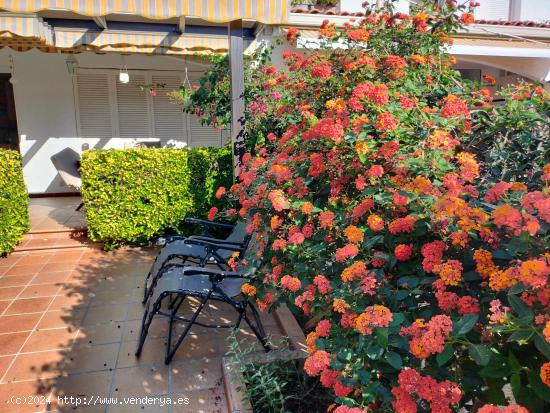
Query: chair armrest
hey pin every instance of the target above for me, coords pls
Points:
(216, 245)
(205, 223)
(212, 272)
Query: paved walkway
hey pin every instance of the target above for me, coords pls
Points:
(69, 321)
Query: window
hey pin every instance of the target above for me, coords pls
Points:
(107, 108)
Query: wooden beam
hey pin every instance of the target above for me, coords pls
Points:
(181, 24)
(101, 21)
(236, 70)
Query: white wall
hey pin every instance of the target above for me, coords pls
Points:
(535, 10)
(46, 115)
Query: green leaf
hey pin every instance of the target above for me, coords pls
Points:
(480, 353)
(465, 324)
(515, 383)
(374, 352)
(519, 307)
(443, 357)
(495, 393)
(382, 337)
(541, 389)
(542, 345)
(520, 336)
(513, 362)
(394, 359)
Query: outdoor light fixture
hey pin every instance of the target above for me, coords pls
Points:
(123, 76)
(13, 80)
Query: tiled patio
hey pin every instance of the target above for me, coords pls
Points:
(69, 321)
(56, 213)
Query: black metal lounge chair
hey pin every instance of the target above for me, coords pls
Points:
(204, 284)
(198, 250)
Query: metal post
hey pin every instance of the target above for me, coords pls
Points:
(236, 70)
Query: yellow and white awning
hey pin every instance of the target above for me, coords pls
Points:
(24, 33)
(265, 11)
(25, 27)
(146, 43)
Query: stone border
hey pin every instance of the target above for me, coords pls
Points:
(298, 350)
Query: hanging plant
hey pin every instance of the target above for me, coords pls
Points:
(152, 88)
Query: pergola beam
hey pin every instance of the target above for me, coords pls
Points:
(101, 21)
(236, 70)
(181, 24)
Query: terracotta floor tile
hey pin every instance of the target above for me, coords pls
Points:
(33, 366)
(37, 259)
(27, 269)
(14, 281)
(161, 406)
(65, 256)
(15, 390)
(28, 305)
(53, 339)
(105, 313)
(15, 323)
(59, 266)
(86, 384)
(61, 318)
(46, 290)
(81, 359)
(4, 270)
(202, 401)
(141, 381)
(10, 343)
(9, 293)
(50, 278)
(5, 362)
(4, 305)
(93, 334)
(152, 354)
(69, 300)
(196, 374)
(10, 260)
(157, 329)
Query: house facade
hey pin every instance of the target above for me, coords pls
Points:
(98, 76)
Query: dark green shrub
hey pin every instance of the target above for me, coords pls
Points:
(14, 201)
(133, 195)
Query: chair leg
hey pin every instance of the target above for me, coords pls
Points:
(171, 351)
(145, 324)
(258, 329)
(79, 207)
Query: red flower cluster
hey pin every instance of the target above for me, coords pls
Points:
(440, 395)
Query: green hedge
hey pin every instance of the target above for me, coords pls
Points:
(133, 195)
(14, 201)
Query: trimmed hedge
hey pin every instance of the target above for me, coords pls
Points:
(14, 201)
(132, 195)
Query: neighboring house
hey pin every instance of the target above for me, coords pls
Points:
(510, 39)
(60, 68)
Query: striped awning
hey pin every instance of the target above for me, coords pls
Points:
(146, 43)
(265, 11)
(25, 27)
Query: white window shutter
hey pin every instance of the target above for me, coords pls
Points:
(169, 121)
(133, 108)
(201, 135)
(94, 105)
(493, 10)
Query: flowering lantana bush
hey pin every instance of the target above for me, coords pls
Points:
(429, 294)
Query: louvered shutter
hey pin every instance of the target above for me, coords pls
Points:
(169, 121)
(94, 105)
(493, 10)
(133, 108)
(200, 135)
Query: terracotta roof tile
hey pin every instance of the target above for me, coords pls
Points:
(523, 23)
